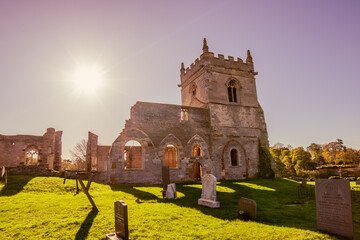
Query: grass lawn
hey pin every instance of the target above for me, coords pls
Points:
(45, 208)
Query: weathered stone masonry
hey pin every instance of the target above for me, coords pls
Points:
(217, 129)
(21, 150)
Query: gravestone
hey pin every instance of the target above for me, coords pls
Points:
(333, 206)
(208, 195)
(165, 177)
(121, 222)
(171, 191)
(247, 209)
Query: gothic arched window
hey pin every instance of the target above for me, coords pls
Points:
(132, 155)
(232, 91)
(170, 156)
(197, 152)
(31, 155)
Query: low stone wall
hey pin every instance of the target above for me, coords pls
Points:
(99, 177)
(41, 170)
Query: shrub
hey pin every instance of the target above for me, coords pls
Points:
(265, 159)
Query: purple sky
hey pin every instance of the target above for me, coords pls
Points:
(306, 52)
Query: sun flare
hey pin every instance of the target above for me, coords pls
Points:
(88, 78)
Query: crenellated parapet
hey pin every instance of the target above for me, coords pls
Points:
(209, 59)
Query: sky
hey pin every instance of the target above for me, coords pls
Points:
(306, 52)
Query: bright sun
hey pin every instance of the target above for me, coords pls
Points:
(88, 79)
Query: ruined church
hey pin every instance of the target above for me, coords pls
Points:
(218, 128)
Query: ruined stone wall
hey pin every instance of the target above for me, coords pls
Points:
(91, 152)
(103, 158)
(48, 147)
(155, 126)
(97, 156)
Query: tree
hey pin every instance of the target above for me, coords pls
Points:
(283, 162)
(316, 151)
(301, 160)
(278, 145)
(78, 155)
(348, 156)
(332, 149)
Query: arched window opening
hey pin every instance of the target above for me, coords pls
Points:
(31, 155)
(234, 157)
(232, 91)
(170, 156)
(197, 151)
(133, 155)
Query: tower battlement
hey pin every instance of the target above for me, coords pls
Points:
(209, 59)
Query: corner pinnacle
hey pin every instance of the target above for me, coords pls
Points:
(182, 69)
(205, 46)
(249, 57)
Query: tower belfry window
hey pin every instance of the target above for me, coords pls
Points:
(232, 91)
(193, 90)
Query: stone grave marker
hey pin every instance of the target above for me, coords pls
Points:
(208, 195)
(247, 209)
(171, 191)
(121, 222)
(165, 177)
(333, 206)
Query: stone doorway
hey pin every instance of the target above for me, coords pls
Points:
(197, 172)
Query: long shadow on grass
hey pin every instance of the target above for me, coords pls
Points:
(142, 195)
(86, 225)
(272, 198)
(15, 184)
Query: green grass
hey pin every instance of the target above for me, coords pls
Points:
(45, 208)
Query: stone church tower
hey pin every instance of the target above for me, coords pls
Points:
(227, 88)
(218, 128)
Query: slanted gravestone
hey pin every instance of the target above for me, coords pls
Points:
(171, 191)
(247, 209)
(333, 206)
(121, 222)
(208, 195)
(165, 179)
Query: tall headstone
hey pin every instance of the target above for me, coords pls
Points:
(121, 222)
(208, 195)
(165, 177)
(333, 206)
(171, 191)
(247, 209)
